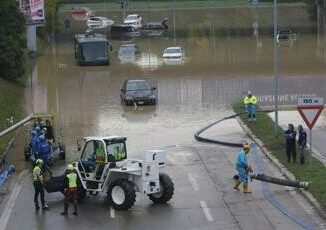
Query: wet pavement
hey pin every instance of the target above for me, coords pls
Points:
(219, 68)
(203, 199)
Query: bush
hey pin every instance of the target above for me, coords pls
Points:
(12, 41)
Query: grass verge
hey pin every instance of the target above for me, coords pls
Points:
(11, 104)
(315, 172)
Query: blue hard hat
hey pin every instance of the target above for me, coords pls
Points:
(37, 128)
(42, 137)
(34, 133)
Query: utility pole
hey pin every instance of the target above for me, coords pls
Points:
(276, 69)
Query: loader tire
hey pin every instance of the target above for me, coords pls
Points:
(121, 194)
(167, 190)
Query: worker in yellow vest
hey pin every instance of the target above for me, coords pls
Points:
(70, 190)
(38, 184)
(250, 102)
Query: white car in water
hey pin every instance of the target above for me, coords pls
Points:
(133, 20)
(176, 52)
(98, 21)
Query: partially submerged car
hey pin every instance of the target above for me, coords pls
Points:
(286, 35)
(133, 20)
(128, 52)
(174, 52)
(121, 31)
(137, 91)
(96, 21)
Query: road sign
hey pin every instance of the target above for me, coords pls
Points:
(310, 109)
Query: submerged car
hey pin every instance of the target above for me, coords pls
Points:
(173, 52)
(94, 21)
(128, 53)
(122, 31)
(133, 20)
(137, 91)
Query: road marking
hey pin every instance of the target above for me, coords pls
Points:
(206, 210)
(12, 200)
(193, 181)
(112, 212)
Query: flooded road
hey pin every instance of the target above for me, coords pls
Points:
(218, 69)
(224, 59)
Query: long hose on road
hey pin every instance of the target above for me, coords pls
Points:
(260, 166)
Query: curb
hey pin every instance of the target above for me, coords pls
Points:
(283, 169)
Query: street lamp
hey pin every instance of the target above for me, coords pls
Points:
(276, 68)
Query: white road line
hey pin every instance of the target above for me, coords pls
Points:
(206, 210)
(12, 200)
(193, 181)
(112, 212)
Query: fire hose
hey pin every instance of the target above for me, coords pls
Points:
(262, 177)
(274, 180)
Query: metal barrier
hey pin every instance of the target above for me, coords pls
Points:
(5, 168)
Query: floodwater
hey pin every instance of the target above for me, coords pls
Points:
(221, 64)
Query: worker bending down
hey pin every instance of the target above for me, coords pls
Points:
(243, 169)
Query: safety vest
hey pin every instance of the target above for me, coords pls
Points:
(119, 156)
(36, 171)
(72, 179)
(248, 100)
(100, 155)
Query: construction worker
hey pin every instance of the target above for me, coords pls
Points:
(70, 190)
(243, 169)
(34, 144)
(44, 151)
(119, 154)
(99, 160)
(250, 102)
(38, 184)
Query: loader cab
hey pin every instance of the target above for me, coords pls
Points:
(99, 155)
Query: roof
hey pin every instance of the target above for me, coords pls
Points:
(136, 15)
(140, 80)
(99, 138)
(174, 47)
(91, 37)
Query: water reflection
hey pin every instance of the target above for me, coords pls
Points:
(222, 64)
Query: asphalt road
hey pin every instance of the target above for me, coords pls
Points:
(203, 199)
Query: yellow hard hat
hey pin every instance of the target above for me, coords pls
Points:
(246, 146)
(39, 161)
(70, 167)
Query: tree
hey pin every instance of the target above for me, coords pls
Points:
(12, 40)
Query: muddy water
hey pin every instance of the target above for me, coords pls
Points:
(219, 67)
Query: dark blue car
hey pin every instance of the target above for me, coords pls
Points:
(137, 91)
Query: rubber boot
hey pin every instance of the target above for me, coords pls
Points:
(245, 188)
(236, 185)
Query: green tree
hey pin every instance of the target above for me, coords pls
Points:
(12, 40)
